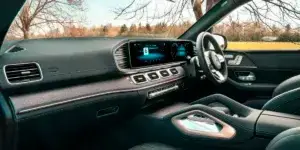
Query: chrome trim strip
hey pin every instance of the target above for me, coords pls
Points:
(26, 110)
(245, 67)
(38, 65)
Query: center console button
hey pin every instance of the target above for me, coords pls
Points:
(174, 71)
(139, 78)
(164, 73)
(153, 75)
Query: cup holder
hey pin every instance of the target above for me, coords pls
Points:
(199, 123)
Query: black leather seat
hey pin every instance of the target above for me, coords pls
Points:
(287, 140)
(285, 98)
(287, 85)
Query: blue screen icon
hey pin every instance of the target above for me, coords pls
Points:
(146, 51)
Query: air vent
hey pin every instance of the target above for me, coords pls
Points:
(14, 49)
(23, 73)
(121, 57)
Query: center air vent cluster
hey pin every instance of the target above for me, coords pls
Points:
(23, 73)
(122, 57)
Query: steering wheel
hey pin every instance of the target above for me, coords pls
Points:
(212, 62)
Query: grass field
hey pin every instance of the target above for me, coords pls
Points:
(263, 46)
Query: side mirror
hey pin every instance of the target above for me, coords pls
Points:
(221, 39)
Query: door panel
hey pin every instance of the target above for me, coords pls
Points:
(258, 73)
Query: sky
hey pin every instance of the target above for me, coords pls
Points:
(100, 12)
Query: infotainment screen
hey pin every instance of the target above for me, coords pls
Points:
(148, 53)
(145, 53)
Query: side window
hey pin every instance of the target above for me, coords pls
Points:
(262, 25)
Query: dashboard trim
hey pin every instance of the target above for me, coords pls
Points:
(179, 76)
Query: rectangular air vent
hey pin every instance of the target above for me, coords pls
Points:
(22, 73)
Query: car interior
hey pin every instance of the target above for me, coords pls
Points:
(104, 93)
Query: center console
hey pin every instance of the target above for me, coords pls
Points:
(228, 125)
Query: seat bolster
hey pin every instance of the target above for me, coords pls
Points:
(288, 102)
(287, 140)
(289, 84)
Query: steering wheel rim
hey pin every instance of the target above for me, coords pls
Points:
(212, 62)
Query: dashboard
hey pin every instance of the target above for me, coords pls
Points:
(88, 78)
(51, 73)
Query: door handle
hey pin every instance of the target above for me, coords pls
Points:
(245, 76)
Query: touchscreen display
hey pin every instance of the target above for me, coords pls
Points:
(145, 53)
(148, 53)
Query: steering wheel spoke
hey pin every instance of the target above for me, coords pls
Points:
(206, 57)
(221, 58)
(218, 75)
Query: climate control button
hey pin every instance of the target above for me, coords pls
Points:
(164, 73)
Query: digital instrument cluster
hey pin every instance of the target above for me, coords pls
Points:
(146, 53)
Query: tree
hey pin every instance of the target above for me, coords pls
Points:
(148, 27)
(288, 28)
(160, 28)
(268, 12)
(275, 30)
(105, 30)
(123, 29)
(42, 14)
(135, 9)
(133, 28)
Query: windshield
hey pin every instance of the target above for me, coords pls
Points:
(106, 18)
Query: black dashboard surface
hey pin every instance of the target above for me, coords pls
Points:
(65, 58)
(70, 59)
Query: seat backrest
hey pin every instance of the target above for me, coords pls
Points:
(289, 84)
(288, 102)
(287, 140)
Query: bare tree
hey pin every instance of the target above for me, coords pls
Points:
(268, 12)
(274, 12)
(172, 14)
(39, 14)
